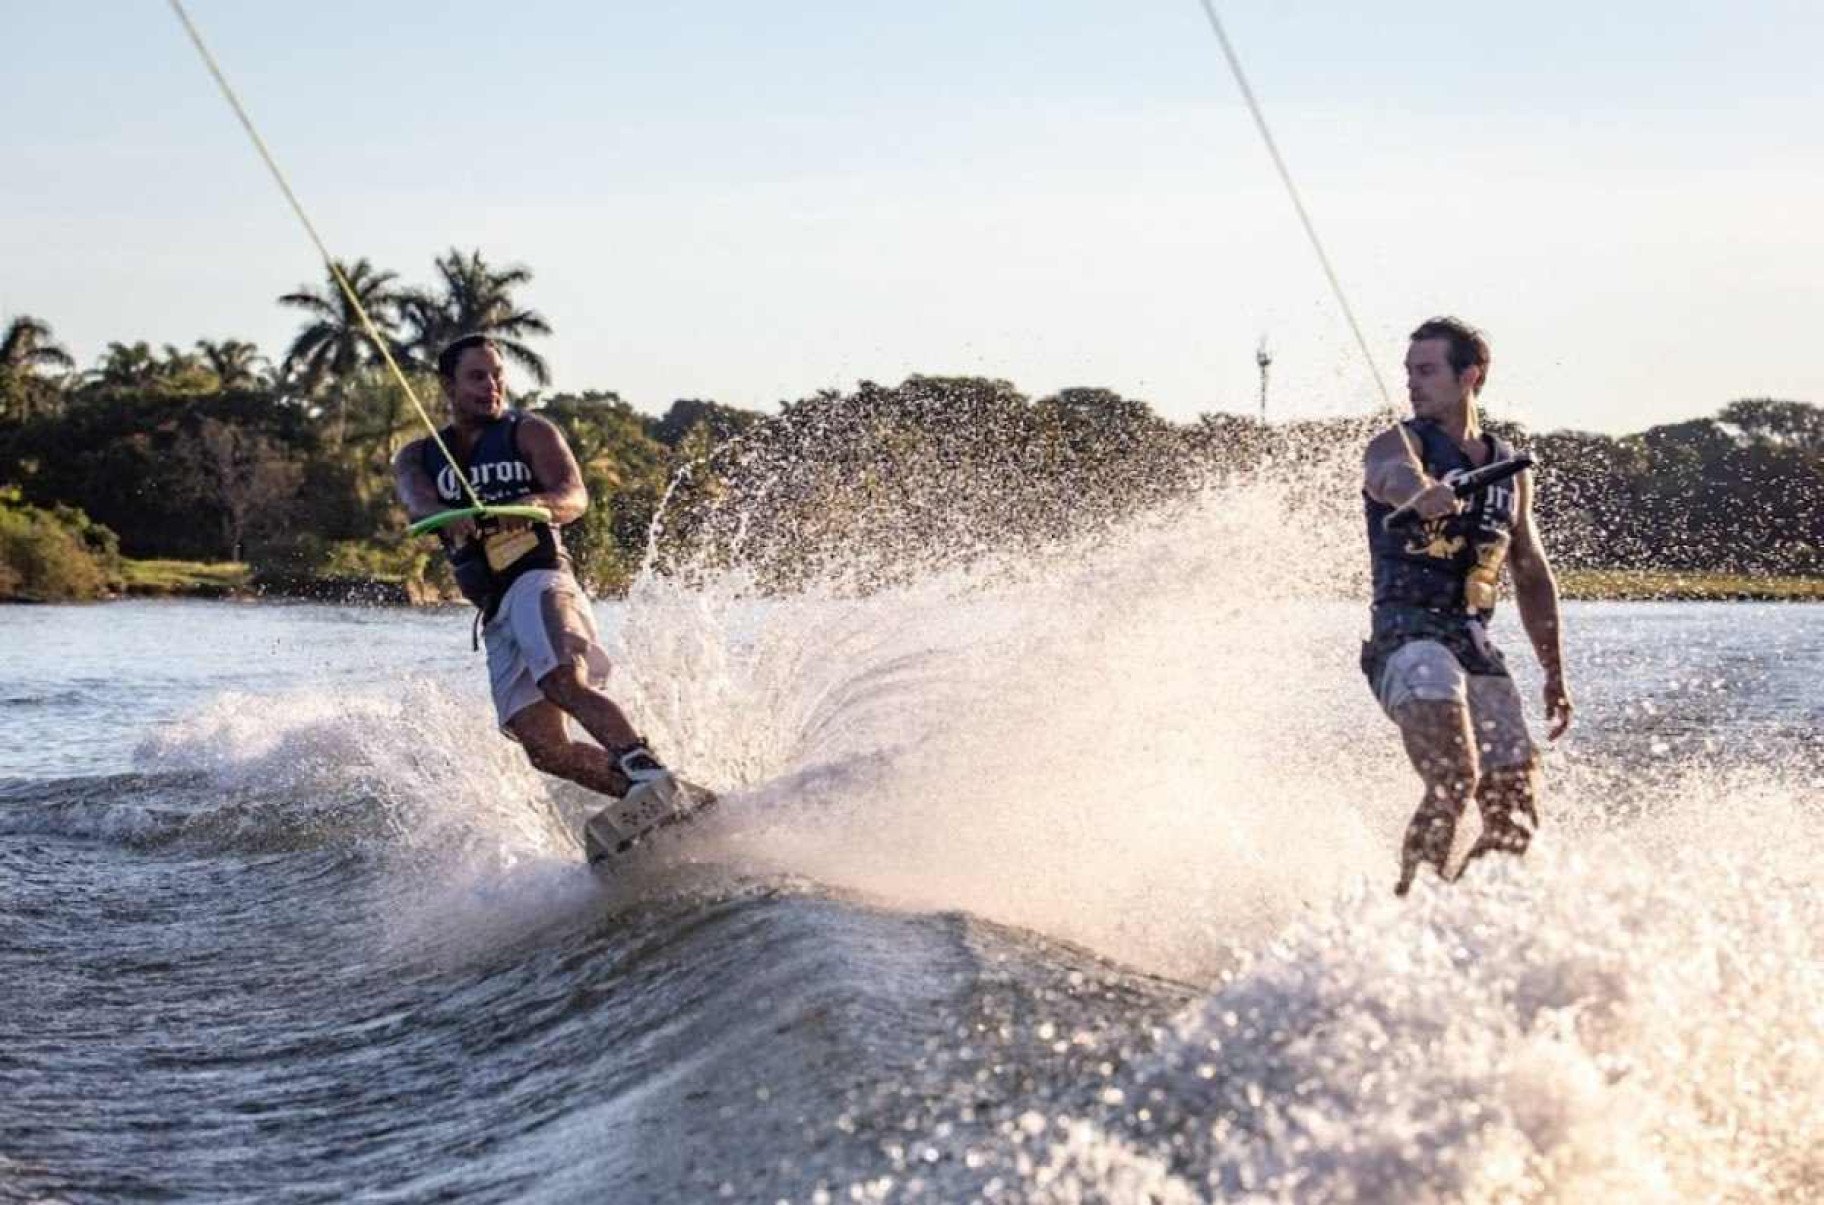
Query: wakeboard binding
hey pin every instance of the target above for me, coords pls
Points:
(655, 799)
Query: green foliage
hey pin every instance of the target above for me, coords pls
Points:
(394, 561)
(136, 368)
(54, 555)
(335, 343)
(209, 455)
(189, 479)
(28, 355)
(1740, 493)
(625, 471)
(473, 298)
(868, 486)
(234, 364)
(705, 423)
(1615, 584)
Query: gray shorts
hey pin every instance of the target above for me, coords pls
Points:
(1425, 670)
(543, 622)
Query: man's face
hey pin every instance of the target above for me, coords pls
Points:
(1434, 388)
(478, 390)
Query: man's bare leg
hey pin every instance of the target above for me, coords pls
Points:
(600, 716)
(541, 731)
(1509, 818)
(1442, 748)
(647, 795)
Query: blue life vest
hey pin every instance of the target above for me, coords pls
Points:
(499, 475)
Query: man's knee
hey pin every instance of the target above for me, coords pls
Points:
(566, 686)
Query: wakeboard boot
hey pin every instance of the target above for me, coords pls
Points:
(1428, 839)
(654, 798)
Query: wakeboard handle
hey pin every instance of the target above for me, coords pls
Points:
(444, 518)
(1472, 482)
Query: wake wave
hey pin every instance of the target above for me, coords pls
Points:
(1156, 743)
(1152, 742)
(393, 770)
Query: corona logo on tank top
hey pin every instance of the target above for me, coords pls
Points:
(496, 471)
(492, 480)
(485, 568)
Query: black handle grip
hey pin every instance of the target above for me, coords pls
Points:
(1466, 485)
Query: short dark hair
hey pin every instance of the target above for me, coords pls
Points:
(451, 355)
(1468, 346)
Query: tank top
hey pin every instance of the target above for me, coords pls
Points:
(1446, 566)
(499, 475)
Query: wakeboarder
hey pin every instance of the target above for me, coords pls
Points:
(546, 663)
(1429, 659)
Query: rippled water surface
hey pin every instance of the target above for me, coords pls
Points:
(1066, 889)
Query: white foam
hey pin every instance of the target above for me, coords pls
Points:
(1582, 1026)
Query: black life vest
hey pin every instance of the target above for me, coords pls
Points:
(1446, 566)
(499, 475)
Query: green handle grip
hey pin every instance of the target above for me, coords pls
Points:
(443, 518)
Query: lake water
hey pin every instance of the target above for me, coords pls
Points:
(1023, 891)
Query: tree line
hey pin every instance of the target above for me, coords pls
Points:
(215, 453)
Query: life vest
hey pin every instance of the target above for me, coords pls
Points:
(486, 566)
(1446, 566)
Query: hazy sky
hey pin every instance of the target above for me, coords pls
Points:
(749, 202)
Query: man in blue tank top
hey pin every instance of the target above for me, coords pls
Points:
(1429, 659)
(546, 664)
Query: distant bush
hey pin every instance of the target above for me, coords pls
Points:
(55, 555)
(307, 565)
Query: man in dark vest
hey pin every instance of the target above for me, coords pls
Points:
(1429, 659)
(545, 657)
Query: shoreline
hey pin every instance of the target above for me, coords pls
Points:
(1671, 585)
(238, 583)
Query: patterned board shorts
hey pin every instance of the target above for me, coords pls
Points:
(1426, 670)
(544, 621)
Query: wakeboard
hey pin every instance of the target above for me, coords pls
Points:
(623, 825)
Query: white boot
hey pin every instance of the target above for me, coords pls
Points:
(654, 799)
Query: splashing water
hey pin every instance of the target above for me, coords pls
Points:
(1154, 741)
(1064, 748)
(1149, 737)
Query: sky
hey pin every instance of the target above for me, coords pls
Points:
(751, 202)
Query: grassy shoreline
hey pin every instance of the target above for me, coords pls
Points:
(233, 579)
(188, 579)
(1635, 585)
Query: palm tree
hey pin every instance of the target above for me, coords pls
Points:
(335, 344)
(25, 349)
(183, 371)
(424, 328)
(128, 366)
(476, 299)
(235, 363)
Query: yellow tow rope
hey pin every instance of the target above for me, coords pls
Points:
(373, 332)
